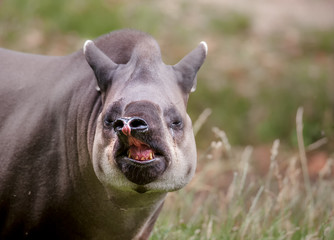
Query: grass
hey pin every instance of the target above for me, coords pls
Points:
(229, 199)
(253, 85)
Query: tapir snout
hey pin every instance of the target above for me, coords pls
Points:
(140, 150)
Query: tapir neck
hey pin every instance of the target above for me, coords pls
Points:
(127, 215)
(131, 214)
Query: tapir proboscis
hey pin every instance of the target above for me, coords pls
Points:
(92, 142)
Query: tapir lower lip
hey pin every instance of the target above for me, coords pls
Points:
(141, 172)
(141, 162)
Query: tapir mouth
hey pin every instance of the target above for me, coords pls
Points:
(139, 151)
(140, 162)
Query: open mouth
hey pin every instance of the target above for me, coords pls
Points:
(139, 151)
(140, 162)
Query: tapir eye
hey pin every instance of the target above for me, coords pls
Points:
(107, 123)
(173, 119)
(177, 124)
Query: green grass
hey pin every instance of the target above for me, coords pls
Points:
(253, 85)
(228, 199)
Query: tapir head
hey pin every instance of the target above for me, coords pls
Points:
(144, 138)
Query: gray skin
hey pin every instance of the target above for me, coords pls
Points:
(64, 168)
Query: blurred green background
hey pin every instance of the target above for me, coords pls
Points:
(266, 58)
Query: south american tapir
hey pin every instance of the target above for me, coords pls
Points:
(91, 142)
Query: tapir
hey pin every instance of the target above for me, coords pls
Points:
(92, 142)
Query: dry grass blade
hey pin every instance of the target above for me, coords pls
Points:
(317, 144)
(222, 135)
(251, 217)
(201, 120)
(302, 152)
(245, 165)
(274, 153)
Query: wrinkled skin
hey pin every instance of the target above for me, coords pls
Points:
(78, 163)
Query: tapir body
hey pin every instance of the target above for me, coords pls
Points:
(92, 142)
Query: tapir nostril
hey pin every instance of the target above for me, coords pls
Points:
(138, 124)
(118, 125)
(126, 125)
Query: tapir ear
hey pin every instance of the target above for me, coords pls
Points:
(187, 68)
(101, 64)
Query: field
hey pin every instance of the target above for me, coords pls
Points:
(233, 197)
(263, 111)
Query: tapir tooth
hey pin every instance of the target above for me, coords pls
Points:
(129, 155)
(137, 158)
(151, 156)
(142, 159)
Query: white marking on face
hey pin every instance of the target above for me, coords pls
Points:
(175, 177)
(183, 156)
(110, 174)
